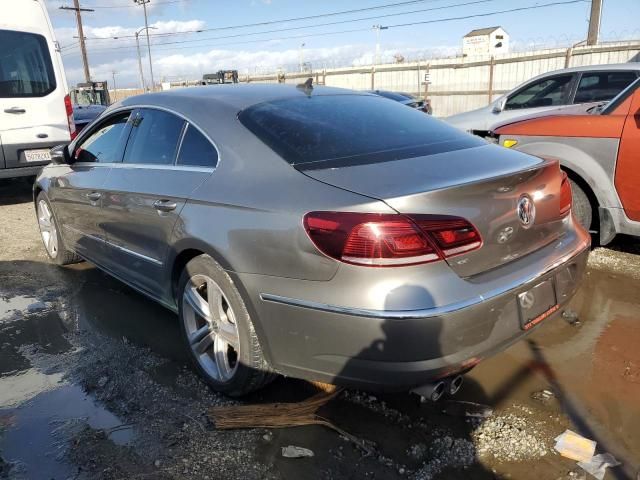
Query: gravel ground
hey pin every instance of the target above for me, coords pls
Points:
(136, 409)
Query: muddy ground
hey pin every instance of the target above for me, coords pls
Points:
(94, 383)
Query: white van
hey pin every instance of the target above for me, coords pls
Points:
(35, 108)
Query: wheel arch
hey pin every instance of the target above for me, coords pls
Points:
(187, 249)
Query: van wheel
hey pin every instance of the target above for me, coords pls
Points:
(217, 330)
(50, 233)
(581, 206)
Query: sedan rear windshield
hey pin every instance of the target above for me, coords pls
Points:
(25, 65)
(326, 131)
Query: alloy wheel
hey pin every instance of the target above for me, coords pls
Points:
(211, 328)
(47, 228)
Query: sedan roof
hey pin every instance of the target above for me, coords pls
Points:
(236, 96)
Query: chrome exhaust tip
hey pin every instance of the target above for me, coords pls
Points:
(431, 391)
(455, 383)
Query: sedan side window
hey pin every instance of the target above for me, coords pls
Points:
(104, 144)
(154, 138)
(543, 93)
(599, 86)
(196, 150)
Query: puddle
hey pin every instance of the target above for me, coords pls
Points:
(596, 364)
(39, 432)
(18, 303)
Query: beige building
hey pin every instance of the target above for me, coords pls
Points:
(485, 41)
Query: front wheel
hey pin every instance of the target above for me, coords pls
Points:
(581, 206)
(217, 329)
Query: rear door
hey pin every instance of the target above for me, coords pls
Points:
(165, 160)
(32, 108)
(602, 86)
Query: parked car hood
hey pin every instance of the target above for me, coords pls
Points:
(581, 109)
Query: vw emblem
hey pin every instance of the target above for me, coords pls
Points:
(527, 300)
(526, 211)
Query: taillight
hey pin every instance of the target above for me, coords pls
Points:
(69, 109)
(384, 240)
(565, 194)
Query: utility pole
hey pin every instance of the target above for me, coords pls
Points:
(115, 90)
(594, 22)
(83, 48)
(301, 57)
(146, 26)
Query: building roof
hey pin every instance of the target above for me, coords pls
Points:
(481, 31)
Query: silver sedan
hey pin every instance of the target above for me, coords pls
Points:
(316, 232)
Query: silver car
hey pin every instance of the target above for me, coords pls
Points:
(319, 233)
(551, 91)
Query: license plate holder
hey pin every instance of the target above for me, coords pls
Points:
(37, 155)
(537, 303)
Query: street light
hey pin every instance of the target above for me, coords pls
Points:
(377, 28)
(301, 57)
(140, 57)
(146, 25)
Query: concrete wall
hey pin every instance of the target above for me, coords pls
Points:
(460, 84)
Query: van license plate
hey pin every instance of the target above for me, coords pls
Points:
(537, 304)
(41, 155)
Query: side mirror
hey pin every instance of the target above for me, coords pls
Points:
(60, 155)
(499, 106)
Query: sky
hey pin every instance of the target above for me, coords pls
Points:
(193, 37)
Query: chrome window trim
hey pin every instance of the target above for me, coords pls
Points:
(148, 166)
(123, 249)
(427, 312)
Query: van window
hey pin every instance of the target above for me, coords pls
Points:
(25, 65)
(154, 138)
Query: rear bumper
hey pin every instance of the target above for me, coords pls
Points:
(401, 349)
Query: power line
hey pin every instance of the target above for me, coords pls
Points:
(168, 2)
(402, 25)
(295, 19)
(339, 22)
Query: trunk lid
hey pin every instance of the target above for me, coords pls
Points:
(484, 185)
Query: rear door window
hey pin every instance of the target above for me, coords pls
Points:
(325, 131)
(196, 150)
(154, 137)
(543, 93)
(25, 65)
(105, 143)
(602, 86)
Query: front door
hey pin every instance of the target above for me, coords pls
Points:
(628, 166)
(145, 195)
(76, 192)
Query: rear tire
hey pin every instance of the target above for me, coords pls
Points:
(50, 233)
(218, 331)
(581, 206)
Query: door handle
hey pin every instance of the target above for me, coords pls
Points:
(164, 205)
(94, 196)
(15, 110)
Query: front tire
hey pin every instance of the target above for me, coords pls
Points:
(581, 206)
(50, 233)
(218, 331)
